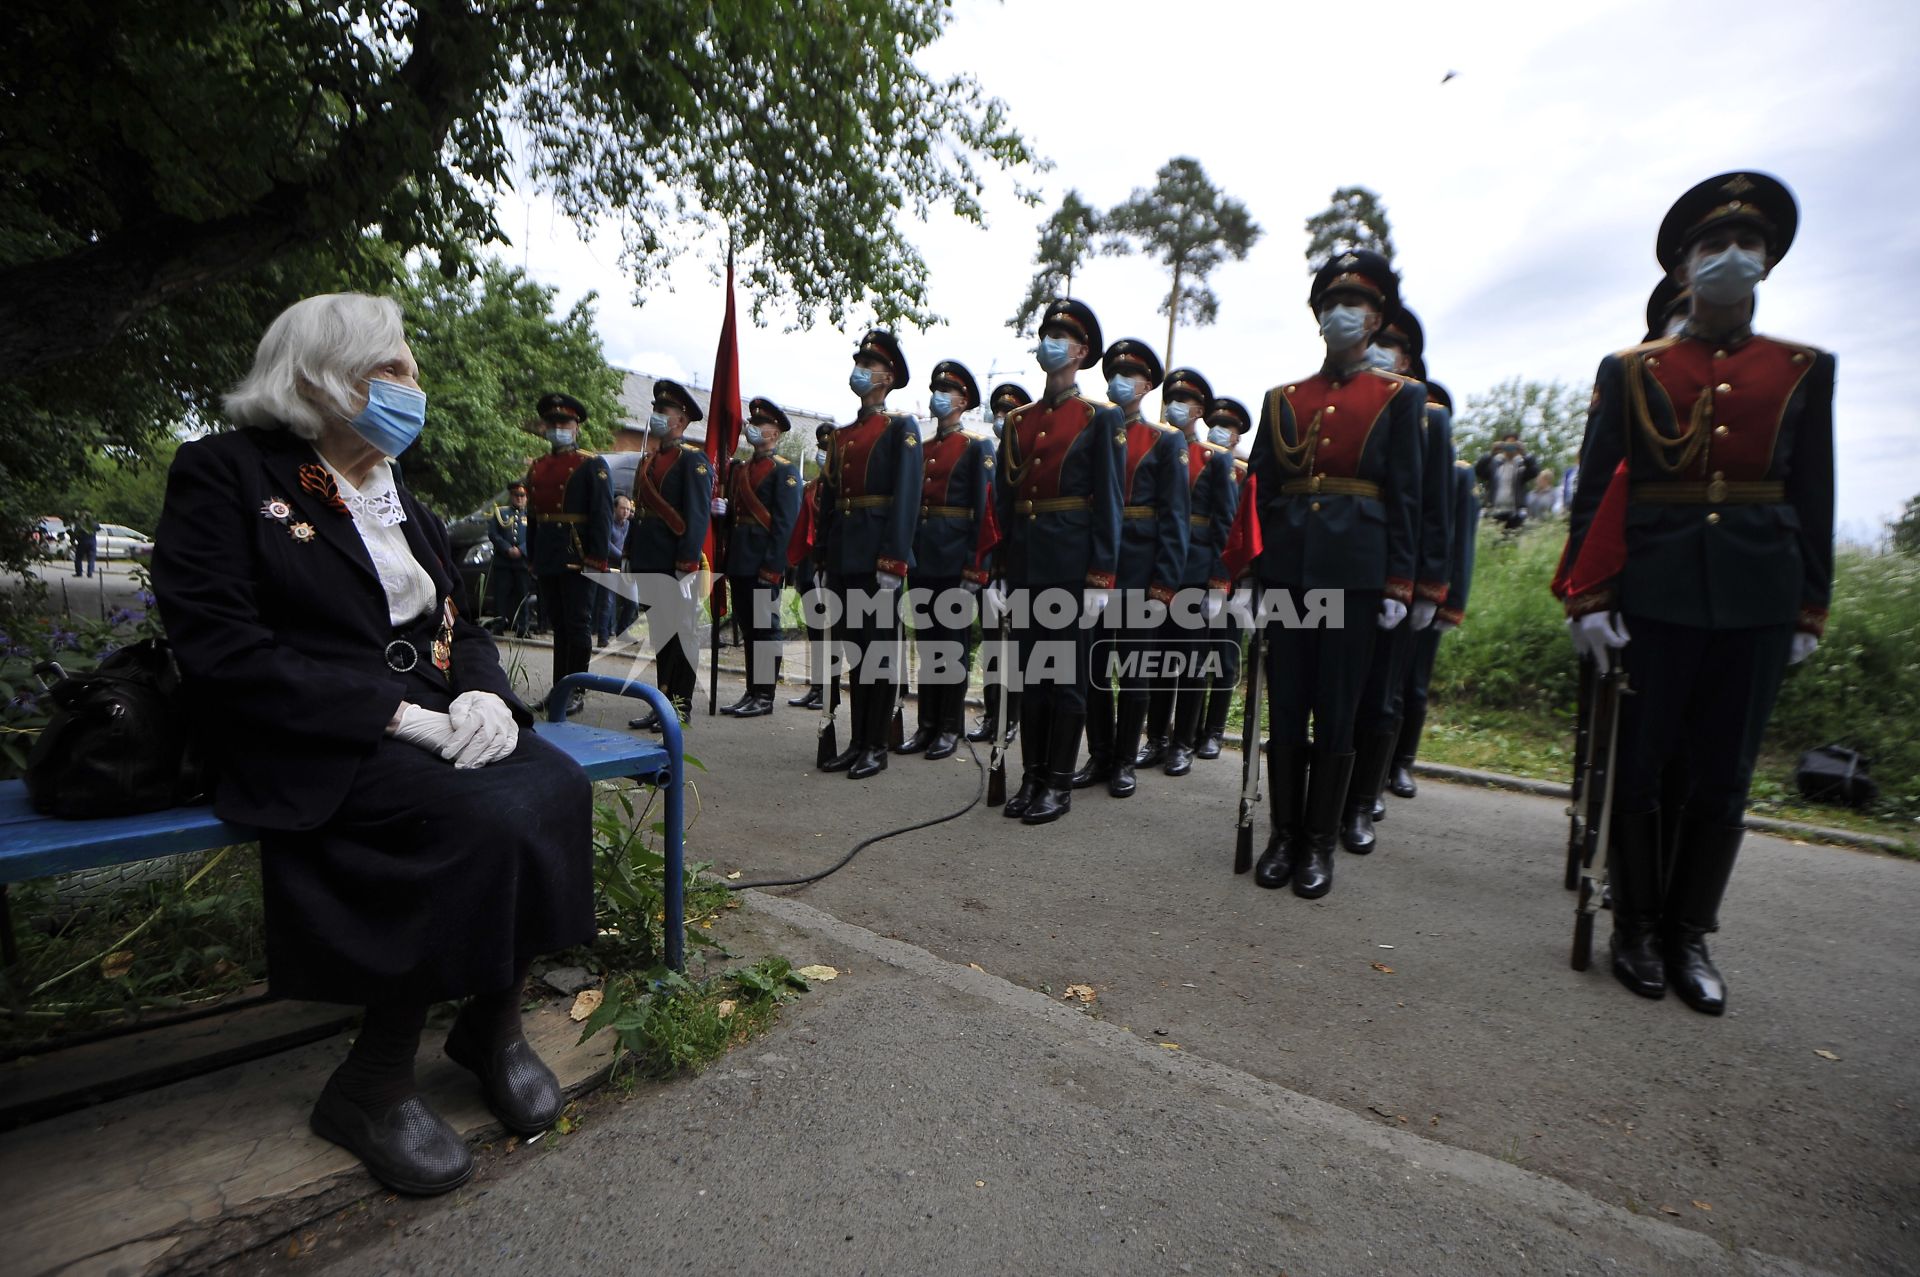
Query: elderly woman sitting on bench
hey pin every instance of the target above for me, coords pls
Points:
(420, 845)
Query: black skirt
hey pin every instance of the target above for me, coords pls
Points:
(432, 883)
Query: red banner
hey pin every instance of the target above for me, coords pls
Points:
(723, 428)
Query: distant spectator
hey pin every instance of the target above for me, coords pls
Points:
(615, 613)
(1505, 472)
(1544, 499)
(86, 540)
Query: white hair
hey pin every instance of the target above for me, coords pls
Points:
(329, 343)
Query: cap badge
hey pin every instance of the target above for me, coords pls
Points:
(1738, 184)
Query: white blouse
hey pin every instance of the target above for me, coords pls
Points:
(377, 516)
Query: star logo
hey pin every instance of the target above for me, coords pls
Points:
(1738, 184)
(1350, 259)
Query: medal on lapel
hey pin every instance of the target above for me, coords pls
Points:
(443, 641)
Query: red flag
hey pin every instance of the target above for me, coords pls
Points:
(723, 428)
(989, 536)
(1603, 554)
(1243, 545)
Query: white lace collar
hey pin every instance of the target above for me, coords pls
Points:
(377, 501)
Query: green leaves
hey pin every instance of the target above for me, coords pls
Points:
(1355, 218)
(1066, 240)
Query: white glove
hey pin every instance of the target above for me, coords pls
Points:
(427, 728)
(720, 507)
(1243, 601)
(687, 584)
(1215, 602)
(1444, 626)
(886, 580)
(996, 596)
(483, 730)
(972, 586)
(1093, 603)
(820, 579)
(1803, 645)
(1392, 612)
(1597, 634)
(1423, 613)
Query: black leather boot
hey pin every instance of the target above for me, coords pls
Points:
(923, 732)
(759, 707)
(1286, 797)
(1633, 882)
(1369, 767)
(1213, 732)
(1160, 707)
(856, 723)
(879, 716)
(1400, 778)
(989, 716)
(1326, 791)
(1186, 722)
(747, 697)
(1706, 856)
(813, 699)
(949, 721)
(1129, 718)
(1099, 724)
(1033, 760)
(1063, 745)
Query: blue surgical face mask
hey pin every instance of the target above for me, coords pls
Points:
(860, 381)
(1728, 277)
(1052, 353)
(1344, 327)
(1121, 390)
(999, 425)
(1178, 414)
(657, 425)
(941, 403)
(820, 456)
(1220, 436)
(752, 432)
(1381, 357)
(393, 418)
(561, 436)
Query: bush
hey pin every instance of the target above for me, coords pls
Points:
(1861, 688)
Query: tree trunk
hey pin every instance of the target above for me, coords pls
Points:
(1173, 317)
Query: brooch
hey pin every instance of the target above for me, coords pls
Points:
(301, 532)
(277, 509)
(315, 479)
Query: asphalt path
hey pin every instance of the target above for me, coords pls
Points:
(1430, 991)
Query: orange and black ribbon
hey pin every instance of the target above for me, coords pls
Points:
(315, 479)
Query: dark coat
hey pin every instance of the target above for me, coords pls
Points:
(757, 540)
(1436, 504)
(870, 496)
(1153, 512)
(1056, 493)
(571, 500)
(1465, 530)
(389, 875)
(1213, 497)
(953, 505)
(672, 506)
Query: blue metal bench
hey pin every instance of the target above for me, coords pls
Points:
(35, 846)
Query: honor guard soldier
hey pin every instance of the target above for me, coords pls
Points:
(1227, 421)
(869, 511)
(1725, 568)
(1212, 498)
(1153, 557)
(1401, 343)
(761, 507)
(1006, 397)
(1462, 528)
(511, 533)
(672, 508)
(1336, 474)
(953, 509)
(800, 567)
(1057, 503)
(572, 502)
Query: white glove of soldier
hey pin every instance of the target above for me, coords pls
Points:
(483, 730)
(1803, 645)
(1214, 603)
(1596, 635)
(427, 728)
(972, 586)
(1093, 603)
(720, 507)
(886, 581)
(820, 579)
(1423, 613)
(1392, 612)
(996, 597)
(687, 585)
(1443, 625)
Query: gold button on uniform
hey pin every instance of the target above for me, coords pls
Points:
(1721, 431)
(1316, 507)
(1331, 409)
(1714, 517)
(1719, 354)
(1722, 388)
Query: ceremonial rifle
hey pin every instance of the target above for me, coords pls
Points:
(1002, 726)
(1582, 765)
(1611, 686)
(1250, 743)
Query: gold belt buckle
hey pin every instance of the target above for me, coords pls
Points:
(1717, 491)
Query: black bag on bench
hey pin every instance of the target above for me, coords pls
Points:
(1835, 774)
(117, 743)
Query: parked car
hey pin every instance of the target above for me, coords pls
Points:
(473, 556)
(118, 541)
(50, 537)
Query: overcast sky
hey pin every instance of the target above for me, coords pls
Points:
(1524, 194)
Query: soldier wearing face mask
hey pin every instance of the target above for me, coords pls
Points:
(1401, 342)
(1057, 504)
(1006, 397)
(1173, 712)
(673, 504)
(869, 510)
(800, 566)
(571, 499)
(1227, 421)
(1153, 558)
(1336, 469)
(1726, 575)
(760, 509)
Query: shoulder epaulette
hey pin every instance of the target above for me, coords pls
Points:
(1646, 347)
(1209, 445)
(1463, 465)
(1168, 428)
(779, 460)
(687, 446)
(1799, 347)
(1019, 411)
(1388, 374)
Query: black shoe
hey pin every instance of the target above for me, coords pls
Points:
(410, 1148)
(812, 699)
(1275, 867)
(1400, 780)
(1286, 805)
(1022, 798)
(943, 746)
(648, 722)
(871, 762)
(1054, 800)
(1326, 789)
(746, 698)
(1153, 753)
(1634, 881)
(1637, 960)
(759, 707)
(520, 1089)
(1209, 746)
(1379, 809)
(1179, 760)
(916, 743)
(1356, 827)
(1121, 783)
(846, 758)
(985, 728)
(1098, 771)
(1692, 973)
